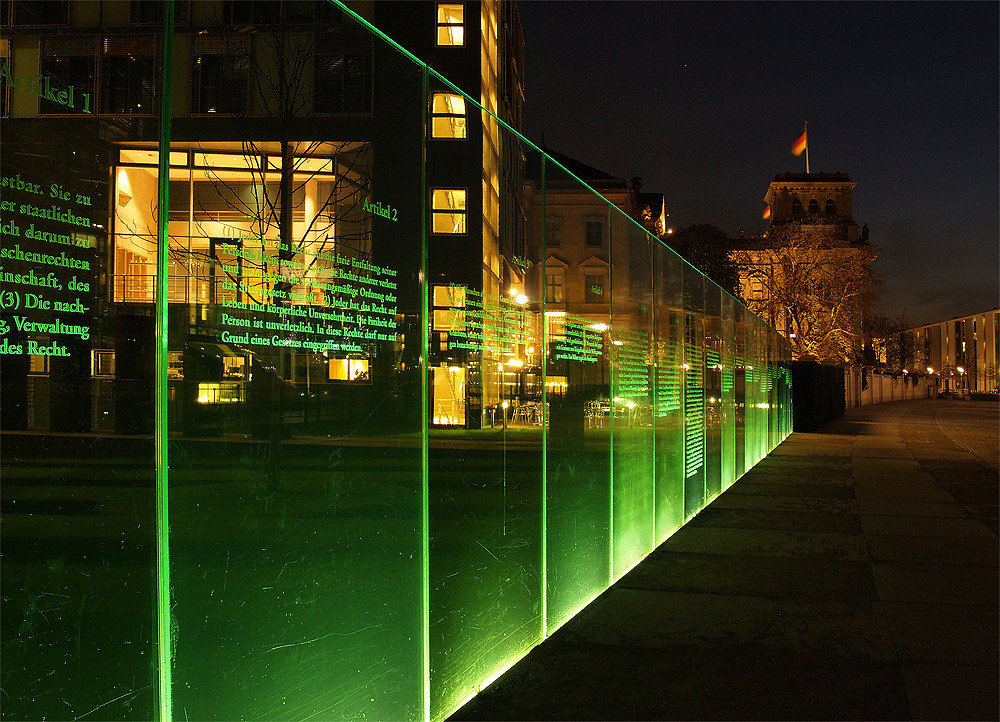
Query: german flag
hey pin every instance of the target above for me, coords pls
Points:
(767, 211)
(799, 145)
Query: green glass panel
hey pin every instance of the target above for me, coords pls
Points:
(694, 391)
(727, 388)
(578, 378)
(740, 388)
(669, 360)
(487, 409)
(418, 393)
(632, 391)
(713, 390)
(76, 404)
(295, 345)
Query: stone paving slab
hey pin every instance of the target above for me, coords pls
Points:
(769, 576)
(943, 633)
(890, 507)
(952, 691)
(771, 542)
(902, 490)
(852, 574)
(692, 682)
(916, 526)
(882, 451)
(936, 583)
(660, 618)
(979, 551)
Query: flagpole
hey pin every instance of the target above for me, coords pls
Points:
(806, 132)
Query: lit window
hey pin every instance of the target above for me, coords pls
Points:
(448, 115)
(347, 369)
(450, 296)
(595, 233)
(38, 364)
(450, 24)
(447, 210)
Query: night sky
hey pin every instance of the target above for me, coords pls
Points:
(704, 100)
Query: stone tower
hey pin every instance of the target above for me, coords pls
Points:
(815, 197)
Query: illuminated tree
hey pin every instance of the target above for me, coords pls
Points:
(281, 68)
(816, 288)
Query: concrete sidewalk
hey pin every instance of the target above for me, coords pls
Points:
(852, 574)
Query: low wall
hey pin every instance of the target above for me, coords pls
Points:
(821, 393)
(864, 386)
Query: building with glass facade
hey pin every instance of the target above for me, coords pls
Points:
(965, 351)
(292, 426)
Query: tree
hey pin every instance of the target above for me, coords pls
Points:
(312, 215)
(706, 248)
(816, 287)
(890, 345)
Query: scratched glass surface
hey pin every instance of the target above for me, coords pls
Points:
(632, 390)
(669, 360)
(295, 357)
(487, 412)
(727, 394)
(76, 371)
(576, 390)
(694, 390)
(578, 381)
(713, 391)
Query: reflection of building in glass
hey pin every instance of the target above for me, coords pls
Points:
(272, 208)
(964, 351)
(223, 410)
(587, 248)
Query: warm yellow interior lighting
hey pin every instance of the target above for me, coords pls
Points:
(447, 115)
(448, 210)
(451, 24)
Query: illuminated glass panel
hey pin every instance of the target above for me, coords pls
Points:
(392, 461)
(632, 397)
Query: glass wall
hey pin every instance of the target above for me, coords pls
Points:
(326, 394)
(77, 400)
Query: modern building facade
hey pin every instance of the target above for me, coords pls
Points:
(964, 351)
(289, 427)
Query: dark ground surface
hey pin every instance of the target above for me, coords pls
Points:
(852, 574)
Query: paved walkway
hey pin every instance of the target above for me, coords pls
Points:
(852, 574)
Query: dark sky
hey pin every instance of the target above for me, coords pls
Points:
(703, 101)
